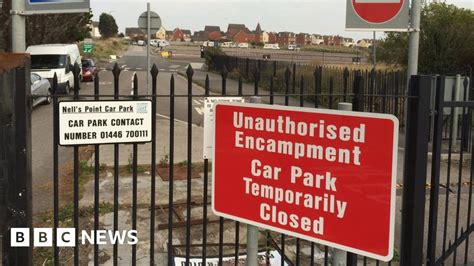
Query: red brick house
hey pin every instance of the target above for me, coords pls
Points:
(181, 35)
(286, 38)
(273, 37)
(240, 37)
(233, 29)
(303, 39)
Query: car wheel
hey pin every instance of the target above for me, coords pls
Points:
(48, 97)
(68, 88)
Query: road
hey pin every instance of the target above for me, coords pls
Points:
(133, 62)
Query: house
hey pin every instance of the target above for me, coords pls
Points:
(317, 39)
(272, 37)
(365, 43)
(333, 40)
(348, 42)
(199, 36)
(181, 35)
(265, 37)
(94, 29)
(169, 35)
(303, 39)
(286, 38)
(233, 29)
(213, 33)
(186, 35)
(161, 34)
(134, 33)
(241, 37)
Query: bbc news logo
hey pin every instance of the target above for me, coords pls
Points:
(66, 237)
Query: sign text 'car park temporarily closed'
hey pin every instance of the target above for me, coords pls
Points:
(321, 175)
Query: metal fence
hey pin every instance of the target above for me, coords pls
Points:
(383, 91)
(186, 231)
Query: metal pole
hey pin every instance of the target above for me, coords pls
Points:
(374, 52)
(339, 257)
(18, 26)
(252, 231)
(148, 76)
(414, 38)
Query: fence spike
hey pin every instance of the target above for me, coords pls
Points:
(154, 71)
(116, 70)
(224, 71)
(190, 71)
(55, 84)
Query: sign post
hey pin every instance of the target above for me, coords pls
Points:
(88, 46)
(325, 176)
(150, 23)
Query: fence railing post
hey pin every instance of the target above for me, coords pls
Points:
(15, 158)
(414, 176)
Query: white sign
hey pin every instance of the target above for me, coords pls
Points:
(104, 122)
(274, 256)
(209, 121)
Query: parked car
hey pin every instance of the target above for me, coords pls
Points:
(40, 90)
(243, 45)
(272, 46)
(154, 42)
(208, 44)
(89, 70)
(50, 59)
(163, 43)
(141, 43)
(294, 47)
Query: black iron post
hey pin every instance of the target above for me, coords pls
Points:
(414, 176)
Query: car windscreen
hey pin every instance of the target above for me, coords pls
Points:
(86, 63)
(48, 61)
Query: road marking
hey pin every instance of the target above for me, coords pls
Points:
(174, 66)
(199, 110)
(176, 120)
(139, 69)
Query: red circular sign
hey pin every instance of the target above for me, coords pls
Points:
(377, 11)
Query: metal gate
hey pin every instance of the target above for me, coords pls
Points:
(173, 209)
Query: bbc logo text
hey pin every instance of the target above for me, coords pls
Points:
(66, 237)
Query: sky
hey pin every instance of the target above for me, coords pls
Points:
(309, 16)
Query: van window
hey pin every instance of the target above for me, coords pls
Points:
(48, 61)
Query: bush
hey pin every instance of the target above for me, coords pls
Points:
(210, 53)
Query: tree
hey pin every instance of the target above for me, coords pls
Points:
(446, 41)
(107, 26)
(56, 28)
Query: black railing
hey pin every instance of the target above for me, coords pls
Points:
(384, 91)
(370, 92)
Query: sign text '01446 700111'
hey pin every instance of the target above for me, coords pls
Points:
(104, 122)
(322, 175)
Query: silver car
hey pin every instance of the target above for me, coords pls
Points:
(40, 90)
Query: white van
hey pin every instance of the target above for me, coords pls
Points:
(273, 46)
(163, 43)
(47, 59)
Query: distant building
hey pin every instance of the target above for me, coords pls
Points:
(317, 39)
(94, 26)
(134, 33)
(348, 42)
(365, 43)
(286, 38)
(199, 36)
(272, 37)
(233, 29)
(303, 39)
(265, 37)
(333, 40)
(161, 34)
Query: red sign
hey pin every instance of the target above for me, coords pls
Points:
(377, 11)
(322, 175)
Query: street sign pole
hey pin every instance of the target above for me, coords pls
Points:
(148, 77)
(18, 26)
(252, 231)
(414, 38)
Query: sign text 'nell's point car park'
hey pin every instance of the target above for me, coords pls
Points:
(322, 175)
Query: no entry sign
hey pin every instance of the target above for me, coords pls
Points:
(387, 15)
(321, 175)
